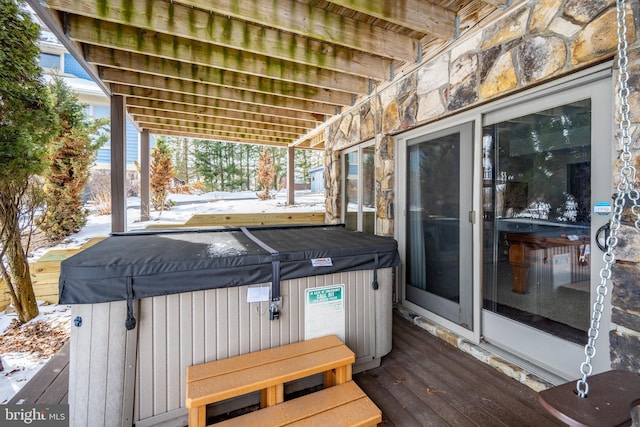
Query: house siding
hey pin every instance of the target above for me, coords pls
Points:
(103, 158)
(71, 66)
(132, 135)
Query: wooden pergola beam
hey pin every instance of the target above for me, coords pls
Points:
(181, 111)
(222, 121)
(316, 23)
(420, 15)
(196, 126)
(200, 61)
(158, 97)
(222, 30)
(150, 81)
(168, 131)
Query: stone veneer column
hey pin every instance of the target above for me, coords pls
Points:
(625, 297)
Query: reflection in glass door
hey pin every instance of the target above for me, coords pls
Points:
(538, 221)
(438, 202)
(359, 189)
(351, 163)
(544, 169)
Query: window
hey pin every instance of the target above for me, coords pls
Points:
(359, 198)
(50, 60)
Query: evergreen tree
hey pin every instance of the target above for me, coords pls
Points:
(160, 175)
(181, 158)
(202, 162)
(72, 151)
(230, 166)
(208, 160)
(232, 171)
(27, 123)
(306, 160)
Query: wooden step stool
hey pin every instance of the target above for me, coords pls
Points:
(340, 406)
(266, 371)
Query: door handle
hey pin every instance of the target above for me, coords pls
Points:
(602, 241)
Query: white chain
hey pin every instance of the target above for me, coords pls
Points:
(625, 188)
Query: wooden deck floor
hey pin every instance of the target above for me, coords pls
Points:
(50, 385)
(422, 382)
(426, 382)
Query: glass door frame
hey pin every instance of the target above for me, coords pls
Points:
(402, 143)
(359, 149)
(533, 344)
(461, 309)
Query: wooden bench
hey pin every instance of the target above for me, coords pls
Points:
(266, 371)
(343, 405)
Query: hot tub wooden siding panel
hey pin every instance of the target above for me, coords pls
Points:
(180, 330)
(100, 381)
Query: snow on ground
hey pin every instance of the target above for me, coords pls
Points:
(26, 349)
(53, 321)
(188, 205)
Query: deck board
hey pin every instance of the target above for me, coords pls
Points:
(50, 385)
(424, 381)
(498, 392)
(449, 408)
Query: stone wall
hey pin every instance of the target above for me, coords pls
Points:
(534, 42)
(625, 297)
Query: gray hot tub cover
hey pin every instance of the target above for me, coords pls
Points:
(138, 265)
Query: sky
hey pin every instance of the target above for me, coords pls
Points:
(19, 367)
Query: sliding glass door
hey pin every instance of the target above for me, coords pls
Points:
(438, 228)
(546, 162)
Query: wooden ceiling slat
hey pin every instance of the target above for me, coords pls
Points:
(188, 112)
(198, 25)
(223, 104)
(152, 116)
(213, 137)
(226, 81)
(419, 15)
(150, 81)
(200, 61)
(316, 23)
(213, 113)
(220, 130)
(219, 136)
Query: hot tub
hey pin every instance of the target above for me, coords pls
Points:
(147, 305)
